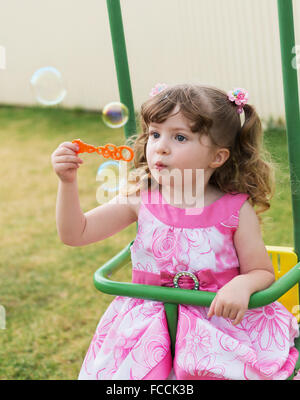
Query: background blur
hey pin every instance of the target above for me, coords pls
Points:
(226, 43)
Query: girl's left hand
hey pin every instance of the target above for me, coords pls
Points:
(231, 301)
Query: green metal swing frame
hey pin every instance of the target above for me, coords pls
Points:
(171, 297)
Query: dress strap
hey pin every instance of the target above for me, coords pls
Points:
(213, 214)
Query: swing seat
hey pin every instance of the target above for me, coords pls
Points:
(285, 289)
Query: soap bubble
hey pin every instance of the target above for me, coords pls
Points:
(111, 175)
(48, 86)
(115, 115)
(108, 172)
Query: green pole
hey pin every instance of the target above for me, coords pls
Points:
(121, 62)
(291, 98)
(171, 311)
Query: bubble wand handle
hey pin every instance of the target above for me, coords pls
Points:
(108, 151)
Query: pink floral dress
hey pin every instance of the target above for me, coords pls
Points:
(132, 339)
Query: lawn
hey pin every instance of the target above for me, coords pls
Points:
(52, 307)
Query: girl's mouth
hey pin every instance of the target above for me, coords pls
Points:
(160, 166)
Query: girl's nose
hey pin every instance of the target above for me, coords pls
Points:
(163, 147)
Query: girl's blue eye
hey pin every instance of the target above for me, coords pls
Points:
(178, 137)
(181, 138)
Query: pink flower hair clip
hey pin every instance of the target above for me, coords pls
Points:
(240, 97)
(159, 87)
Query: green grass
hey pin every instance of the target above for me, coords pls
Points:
(52, 307)
(278, 223)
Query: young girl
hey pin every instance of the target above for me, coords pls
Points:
(188, 127)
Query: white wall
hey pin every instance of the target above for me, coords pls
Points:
(226, 43)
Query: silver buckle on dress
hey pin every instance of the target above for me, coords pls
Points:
(184, 273)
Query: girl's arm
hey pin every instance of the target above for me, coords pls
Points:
(74, 227)
(256, 269)
(255, 264)
(70, 221)
(108, 219)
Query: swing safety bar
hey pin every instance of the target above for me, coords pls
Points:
(171, 297)
(105, 284)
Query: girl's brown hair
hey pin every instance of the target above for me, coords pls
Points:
(248, 169)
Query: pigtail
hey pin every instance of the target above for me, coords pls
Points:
(254, 171)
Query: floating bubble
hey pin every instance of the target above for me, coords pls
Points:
(110, 175)
(115, 115)
(48, 86)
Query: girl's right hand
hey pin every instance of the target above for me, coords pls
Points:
(65, 161)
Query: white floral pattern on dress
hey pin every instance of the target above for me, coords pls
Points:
(132, 339)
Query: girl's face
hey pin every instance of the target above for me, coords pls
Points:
(172, 145)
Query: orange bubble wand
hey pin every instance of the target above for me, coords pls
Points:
(107, 151)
